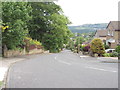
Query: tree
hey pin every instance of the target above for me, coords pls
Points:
(49, 25)
(15, 15)
(97, 46)
(118, 51)
(70, 45)
(79, 40)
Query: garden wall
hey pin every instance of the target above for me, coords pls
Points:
(13, 53)
(36, 51)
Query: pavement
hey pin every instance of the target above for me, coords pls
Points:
(63, 70)
(6, 63)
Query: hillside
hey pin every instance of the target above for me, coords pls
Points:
(86, 28)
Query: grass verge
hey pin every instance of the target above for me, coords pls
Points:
(1, 83)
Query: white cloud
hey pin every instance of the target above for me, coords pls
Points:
(90, 11)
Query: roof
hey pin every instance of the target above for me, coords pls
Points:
(101, 33)
(115, 25)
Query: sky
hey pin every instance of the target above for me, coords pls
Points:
(90, 11)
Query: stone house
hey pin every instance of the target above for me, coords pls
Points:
(101, 34)
(113, 34)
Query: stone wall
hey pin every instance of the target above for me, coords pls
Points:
(36, 51)
(13, 53)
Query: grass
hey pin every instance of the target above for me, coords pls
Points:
(1, 83)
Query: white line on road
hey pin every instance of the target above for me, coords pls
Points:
(62, 61)
(55, 57)
(100, 69)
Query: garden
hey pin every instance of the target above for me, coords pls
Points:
(96, 48)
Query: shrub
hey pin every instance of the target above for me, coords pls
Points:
(106, 46)
(35, 42)
(106, 55)
(86, 48)
(54, 51)
(97, 46)
(114, 54)
(31, 41)
(117, 49)
(32, 44)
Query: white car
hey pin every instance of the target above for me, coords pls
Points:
(109, 50)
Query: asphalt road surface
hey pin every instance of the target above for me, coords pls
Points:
(63, 70)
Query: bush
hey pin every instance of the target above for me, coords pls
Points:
(117, 49)
(31, 41)
(32, 44)
(35, 42)
(107, 54)
(97, 46)
(114, 54)
(106, 46)
(54, 51)
(86, 48)
(75, 51)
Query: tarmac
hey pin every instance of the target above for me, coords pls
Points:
(5, 63)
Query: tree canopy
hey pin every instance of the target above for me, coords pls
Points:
(42, 21)
(49, 25)
(15, 15)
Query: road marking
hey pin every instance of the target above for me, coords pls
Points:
(64, 62)
(55, 57)
(100, 69)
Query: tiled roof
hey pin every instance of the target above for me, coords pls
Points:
(115, 25)
(101, 33)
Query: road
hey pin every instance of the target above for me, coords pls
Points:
(63, 70)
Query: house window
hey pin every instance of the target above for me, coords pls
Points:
(108, 32)
(112, 33)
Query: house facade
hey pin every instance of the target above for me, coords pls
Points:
(113, 34)
(101, 34)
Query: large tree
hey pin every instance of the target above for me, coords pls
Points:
(15, 15)
(49, 25)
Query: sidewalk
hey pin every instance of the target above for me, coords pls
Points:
(5, 64)
(101, 59)
(109, 59)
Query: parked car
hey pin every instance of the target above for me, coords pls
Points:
(109, 50)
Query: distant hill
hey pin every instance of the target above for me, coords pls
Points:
(86, 28)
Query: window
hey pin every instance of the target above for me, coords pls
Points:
(112, 33)
(108, 32)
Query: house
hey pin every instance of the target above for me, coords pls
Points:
(113, 34)
(101, 34)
